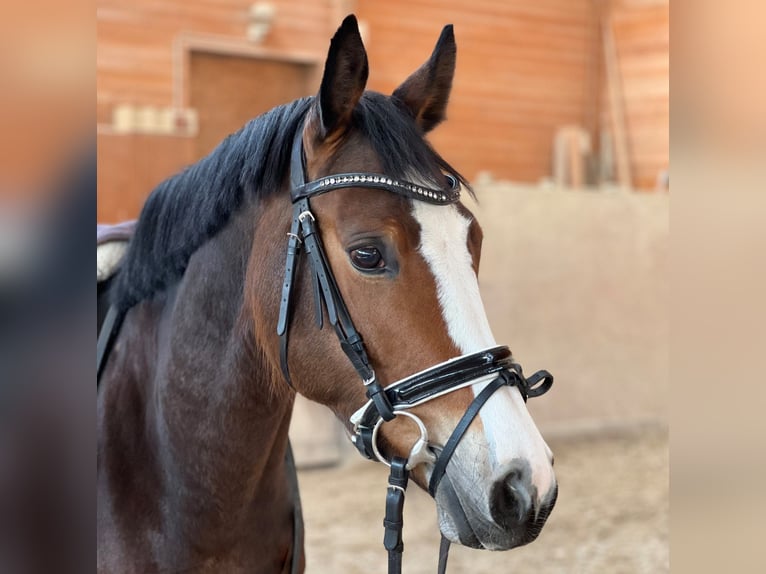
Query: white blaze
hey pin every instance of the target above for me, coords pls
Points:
(509, 430)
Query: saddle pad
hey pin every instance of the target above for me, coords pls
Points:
(111, 245)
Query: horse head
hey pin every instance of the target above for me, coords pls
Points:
(404, 266)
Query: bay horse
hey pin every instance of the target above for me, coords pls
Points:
(218, 333)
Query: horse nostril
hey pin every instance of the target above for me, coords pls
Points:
(512, 497)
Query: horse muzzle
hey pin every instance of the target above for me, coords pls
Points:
(512, 515)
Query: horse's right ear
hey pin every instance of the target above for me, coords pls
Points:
(344, 79)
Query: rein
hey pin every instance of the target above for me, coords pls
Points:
(494, 364)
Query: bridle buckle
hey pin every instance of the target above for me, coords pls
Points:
(303, 214)
(367, 382)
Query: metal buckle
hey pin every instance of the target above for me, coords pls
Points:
(303, 214)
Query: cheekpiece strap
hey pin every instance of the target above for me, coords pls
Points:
(304, 233)
(283, 322)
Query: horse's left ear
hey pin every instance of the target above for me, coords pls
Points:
(427, 90)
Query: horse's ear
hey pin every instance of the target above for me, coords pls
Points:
(427, 90)
(344, 79)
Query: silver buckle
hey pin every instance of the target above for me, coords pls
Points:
(303, 214)
(368, 382)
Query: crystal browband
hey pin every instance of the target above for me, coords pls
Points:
(378, 181)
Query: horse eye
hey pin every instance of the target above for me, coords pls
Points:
(366, 258)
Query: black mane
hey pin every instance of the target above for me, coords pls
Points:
(391, 130)
(187, 209)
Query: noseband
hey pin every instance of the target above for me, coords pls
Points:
(494, 366)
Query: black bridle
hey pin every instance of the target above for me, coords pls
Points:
(494, 364)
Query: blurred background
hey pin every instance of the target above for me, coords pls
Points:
(536, 69)
(559, 115)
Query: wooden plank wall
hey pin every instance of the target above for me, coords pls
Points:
(523, 69)
(641, 31)
(135, 66)
(135, 40)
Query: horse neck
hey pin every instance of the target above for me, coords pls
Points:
(211, 405)
(221, 406)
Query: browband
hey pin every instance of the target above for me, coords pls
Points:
(378, 181)
(301, 189)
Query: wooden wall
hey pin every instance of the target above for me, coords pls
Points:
(136, 39)
(641, 31)
(143, 48)
(523, 69)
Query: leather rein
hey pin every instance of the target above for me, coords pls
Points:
(384, 404)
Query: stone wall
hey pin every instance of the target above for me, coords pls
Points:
(576, 282)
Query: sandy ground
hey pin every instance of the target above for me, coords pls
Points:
(611, 516)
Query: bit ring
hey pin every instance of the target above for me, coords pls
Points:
(419, 452)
